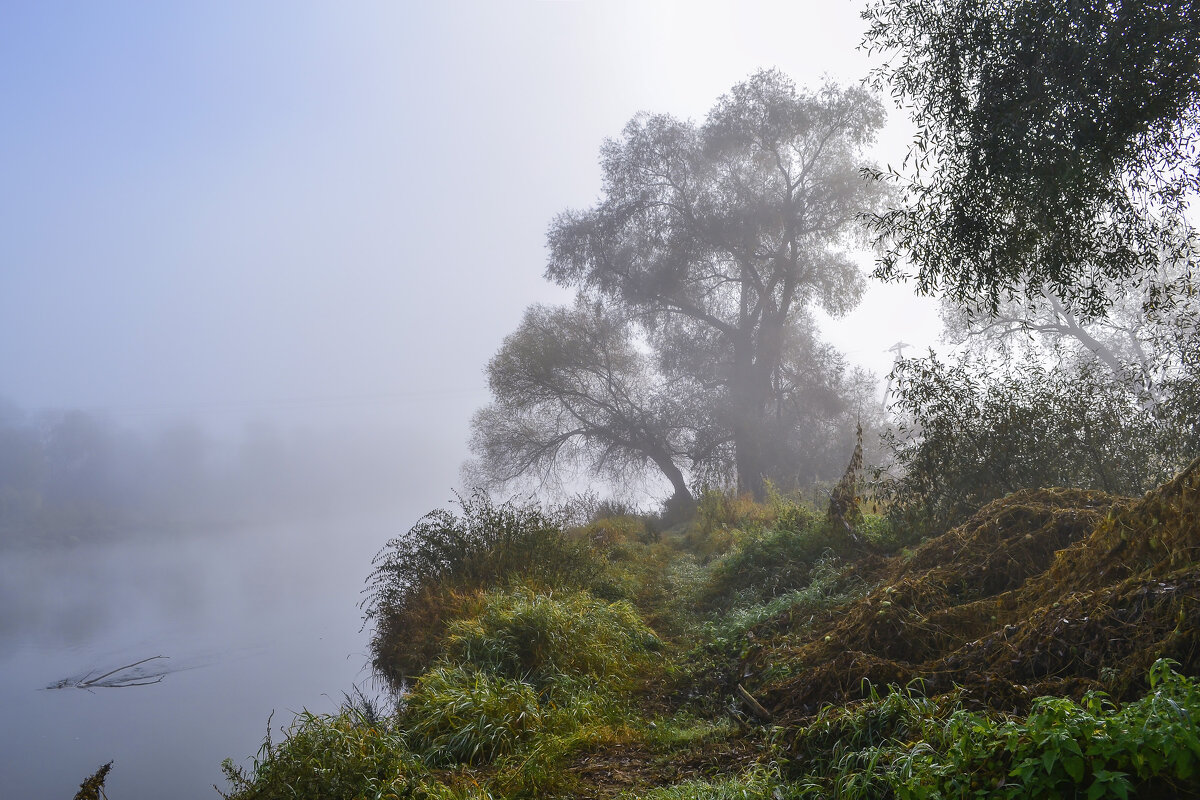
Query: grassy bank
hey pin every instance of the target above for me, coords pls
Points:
(1047, 647)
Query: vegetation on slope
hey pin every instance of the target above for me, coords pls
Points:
(1041, 649)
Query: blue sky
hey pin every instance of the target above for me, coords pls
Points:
(229, 210)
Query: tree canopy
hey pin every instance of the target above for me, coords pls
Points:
(715, 238)
(1056, 143)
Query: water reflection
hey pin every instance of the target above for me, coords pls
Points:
(270, 614)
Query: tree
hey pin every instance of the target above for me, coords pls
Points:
(571, 388)
(969, 433)
(1142, 343)
(715, 238)
(1055, 146)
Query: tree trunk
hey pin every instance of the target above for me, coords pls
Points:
(749, 390)
(672, 472)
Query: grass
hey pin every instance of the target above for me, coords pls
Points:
(616, 680)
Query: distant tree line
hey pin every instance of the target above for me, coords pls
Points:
(70, 476)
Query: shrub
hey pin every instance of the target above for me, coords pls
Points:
(717, 510)
(827, 588)
(765, 566)
(968, 436)
(913, 748)
(522, 664)
(420, 579)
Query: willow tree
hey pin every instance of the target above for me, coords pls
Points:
(718, 237)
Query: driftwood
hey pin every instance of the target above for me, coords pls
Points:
(114, 679)
(753, 704)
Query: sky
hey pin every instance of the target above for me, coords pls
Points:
(316, 212)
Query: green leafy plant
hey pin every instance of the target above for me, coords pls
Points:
(916, 748)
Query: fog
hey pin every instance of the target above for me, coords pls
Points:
(253, 260)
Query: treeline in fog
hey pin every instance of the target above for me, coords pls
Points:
(72, 475)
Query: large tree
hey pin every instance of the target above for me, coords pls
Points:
(1055, 148)
(717, 237)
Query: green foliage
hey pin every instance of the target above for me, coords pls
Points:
(418, 578)
(327, 757)
(523, 665)
(463, 715)
(788, 514)
(968, 436)
(1090, 749)
(539, 638)
(827, 588)
(766, 565)
(720, 510)
(1056, 142)
(918, 749)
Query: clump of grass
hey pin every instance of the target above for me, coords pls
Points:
(524, 665)
(765, 566)
(828, 587)
(759, 782)
(333, 757)
(420, 579)
(464, 715)
(541, 638)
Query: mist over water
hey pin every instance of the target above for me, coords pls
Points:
(253, 621)
(240, 559)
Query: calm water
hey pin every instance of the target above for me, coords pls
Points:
(254, 621)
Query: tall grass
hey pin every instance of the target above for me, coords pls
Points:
(332, 757)
(420, 579)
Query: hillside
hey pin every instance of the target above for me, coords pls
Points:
(1046, 647)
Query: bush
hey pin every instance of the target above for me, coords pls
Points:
(420, 580)
(968, 437)
(765, 566)
(521, 664)
(906, 746)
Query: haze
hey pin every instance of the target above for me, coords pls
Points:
(261, 253)
(325, 214)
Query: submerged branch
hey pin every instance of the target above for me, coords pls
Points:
(113, 678)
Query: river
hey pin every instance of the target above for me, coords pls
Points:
(254, 621)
